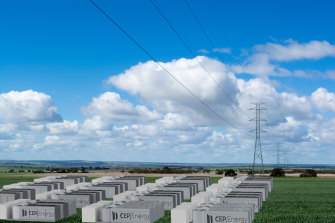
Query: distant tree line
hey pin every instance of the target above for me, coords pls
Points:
(280, 172)
(166, 170)
(61, 170)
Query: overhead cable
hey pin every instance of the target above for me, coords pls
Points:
(159, 64)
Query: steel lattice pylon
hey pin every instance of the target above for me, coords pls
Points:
(258, 165)
(278, 154)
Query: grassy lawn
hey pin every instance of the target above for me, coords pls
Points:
(293, 200)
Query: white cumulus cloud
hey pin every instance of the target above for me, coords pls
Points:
(65, 127)
(324, 100)
(111, 108)
(27, 107)
(297, 51)
(266, 58)
(156, 87)
(166, 123)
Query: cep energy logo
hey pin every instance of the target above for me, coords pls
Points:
(226, 219)
(37, 213)
(129, 216)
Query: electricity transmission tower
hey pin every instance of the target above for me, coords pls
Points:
(286, 160)
(258, 156)
(278, 153)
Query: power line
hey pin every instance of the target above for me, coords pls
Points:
(199, 24)
(278, 145)
(156, 61)
(204, 32)
(211, 43)
(258, 155)
(193, 54)
(219, 24)
(285, 159)
(221, 27)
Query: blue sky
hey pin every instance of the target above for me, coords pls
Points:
(69, 52)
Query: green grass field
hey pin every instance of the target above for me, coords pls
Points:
(11, 180)
(293, 200)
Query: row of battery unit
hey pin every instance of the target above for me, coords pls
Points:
(34, 190)
(146, 206)
(238, 201)
(92, 193)
(173, 192)
(78, 192)
(37, 210)
(136, 209)
(29, 201)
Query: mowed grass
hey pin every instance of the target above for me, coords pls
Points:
(293, 200)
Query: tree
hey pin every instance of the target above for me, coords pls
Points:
(278, 172)
(230, 173)
(166, 169)
(219, 172)
(206, 170)
(74, 170)
(83, 169)
(309, 173)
